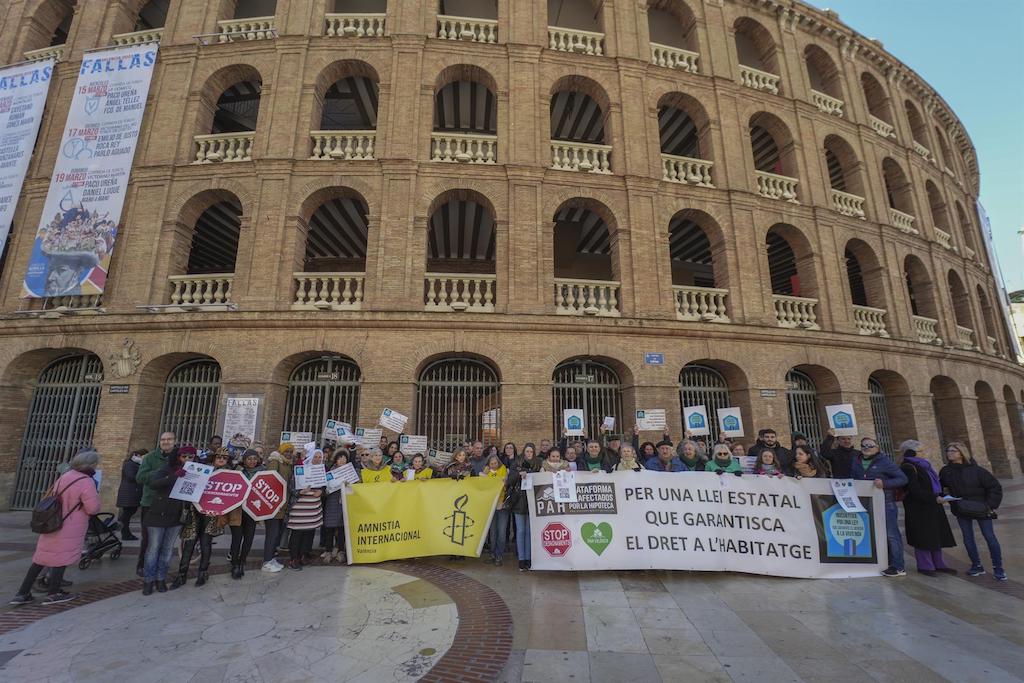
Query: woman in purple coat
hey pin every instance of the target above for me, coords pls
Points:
(79, 500)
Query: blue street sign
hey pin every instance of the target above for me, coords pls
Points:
(654, 359)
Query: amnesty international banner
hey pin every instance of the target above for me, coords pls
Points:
(23, 91)
(703, 521)
(77, 230)
(392, 521)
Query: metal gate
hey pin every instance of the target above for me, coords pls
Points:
(458, 399)
(60, 422)
(701, 385)
(191, 396)
(589, 385)
(804, 413)
(880, 415)
(319, 390)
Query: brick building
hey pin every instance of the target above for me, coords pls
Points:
(479, 213)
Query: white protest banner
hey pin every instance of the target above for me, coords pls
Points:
(79, 223)
(608, 424)
(730, 422)
(336, 430)
(842, 419)
(565, 486)
(572, 422)
(392, 420)
(368, 438)
(846, 495)
(240, 420)
(439, 459)
(696, 420)
(688, 521)
(23, 90)
(190, 487)
(411, 444)
(310, 476)
(651, 420)
(297, 439)
(339, 476)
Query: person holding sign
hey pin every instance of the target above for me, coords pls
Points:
(375, 470)
(334, 532)
(419, 468)
(499, 521)
(243, 527)
(973, 495)
(927, 526)
(200, 529)
(594, 459)
(279, 461)
(398, 466)
(305, 517)
(163, 519)
(873, 466)
(839, 453)
(665, 460)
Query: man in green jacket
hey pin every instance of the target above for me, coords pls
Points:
(151, 464)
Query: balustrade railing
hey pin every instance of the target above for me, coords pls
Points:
(343, 144)
(796, 311)
(944, 239)
(464, 148)
(881, 127)
(152, 35)
(848, 204)
(969, 254)
(674, 58)
(580, 156)
(355, 25)
(775, 186)
(923, 151)
(83, 303)
(827, 103)
(701, 303)
(685, 170)
(903, 222)
(927, 330)
(575, 40)
(459, 292)
(201, 290)
(328, 291)
(587, 297)
(992, 346)
(759, 80)
(964, 337)
(251, 28)
(467, 28)
(223, 147)
(870, 321)
(55, 51)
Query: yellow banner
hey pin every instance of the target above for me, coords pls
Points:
(394, 521)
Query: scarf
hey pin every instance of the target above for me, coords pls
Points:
(922, 464)
(628, 464)
(805, 469)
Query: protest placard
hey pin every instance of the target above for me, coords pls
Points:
(846, 495)
(297, 439)
(572, 422)
(310, 476)
(368, 438)
(392, 420)
(695, 418)
(190, 487)
(651, 420)
(565, 487)
(842, 419)
(339, 476)
(439, 459)
(730, 422)
(411, 444)
(608, 424)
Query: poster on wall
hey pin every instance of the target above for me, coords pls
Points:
(23, 90)
(241, 419)
(78, 227)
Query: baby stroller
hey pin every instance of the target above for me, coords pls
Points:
(100, 537)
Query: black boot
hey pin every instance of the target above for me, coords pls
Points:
(241, 569)
(161, 586)
(127, 535)
(147, 588)
(201, 578)
(180, 580)
(236, 570)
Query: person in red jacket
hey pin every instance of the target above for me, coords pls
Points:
(79, 501)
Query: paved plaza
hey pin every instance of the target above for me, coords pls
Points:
(439, 620)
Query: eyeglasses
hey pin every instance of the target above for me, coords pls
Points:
(868, 446)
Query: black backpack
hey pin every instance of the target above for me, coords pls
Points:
(46, 515)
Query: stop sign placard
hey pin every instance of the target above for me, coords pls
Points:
(556, 539)
(225, 491)
(266, 495)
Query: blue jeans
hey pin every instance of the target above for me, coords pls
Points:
(522, 536)
(158, 552)
(499, 527)
(967, 529)
(892, 535)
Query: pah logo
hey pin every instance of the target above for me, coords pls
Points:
(574, 422)
(842, 420)
(458, 522)
(731, 423)
(696, 421)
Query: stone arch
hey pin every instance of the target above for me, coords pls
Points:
(992, 430)
(862, 265)
(966, 227)
(961, 300)
(876, 97)
(585, 240)
(947, 402)
(1015, 416)
(672, 23)
(920, 288)
(220, 82)
(845, 170)
(696, 238)
(898, 408)
(803, 416)
(755, 45)
(152, 376)
(202, 210)
(736, 380)
(793, 273)
(579, 110)
(333, 231)
(684, 126)
(898, 191)
(822, 72)
(360, 83)
(772, 145)
(461, 84)
(584, 15)
(46, 23)
(937, 207)
(918, 129)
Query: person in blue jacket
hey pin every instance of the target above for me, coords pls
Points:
(666, 460)
(873, 465)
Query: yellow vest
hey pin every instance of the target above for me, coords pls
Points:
(375, 476)
(425, 473)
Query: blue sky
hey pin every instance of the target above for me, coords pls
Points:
(973, 55)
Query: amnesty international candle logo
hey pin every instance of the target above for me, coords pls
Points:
(844, 537)
(458, 522)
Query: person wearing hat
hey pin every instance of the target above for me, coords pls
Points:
(279, 461)
(243, 527)
(665, 460)
(927, 526)
(306, 515)
(202, 529)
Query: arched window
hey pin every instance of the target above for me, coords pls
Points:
(350, 103)
(577, 117)
(61, 420)
(468, 8)
(992, 430)
(892, 409)
(918, 129)
(579, 126)
(249, 9)
(867, 287)
(673, 35)
(878, 104)
(215, 239)
(584, 250)
(461, 248)
(961, 308)
(153, 15)
(790, 262)
(467, 104)
(920, 289)
(756, 53)
(336, 236)
(899, 195)
(322, 389)
(937, 206)
(458, 400)
(826, 81)
(947, 155)
(966, 229)
(583, 15)
(238, 107)
(588, 385)
(191, 399)
(880, 415)
(690, 250)
(804, 407)
(949, 411)
(988, 318)
(775, 164)
(48, 26)
(1015, 416)
(700, 385)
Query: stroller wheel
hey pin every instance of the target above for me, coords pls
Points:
(116, 554)
(84, 563)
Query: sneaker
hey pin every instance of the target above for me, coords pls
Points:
(892, 571)
(999, 575)
(976, 571)
(58, 598)
(270, 567)
(21, 600)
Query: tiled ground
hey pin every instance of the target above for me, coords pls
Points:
(609, 626)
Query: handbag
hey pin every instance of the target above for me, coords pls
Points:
(974, 509)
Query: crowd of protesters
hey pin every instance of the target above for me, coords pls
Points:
(971, 492)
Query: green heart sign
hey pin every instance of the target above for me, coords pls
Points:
(597, 536)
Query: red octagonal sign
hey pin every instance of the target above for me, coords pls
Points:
(556, 539)
(266, 495)
(225, 491)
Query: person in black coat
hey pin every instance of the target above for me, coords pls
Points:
(768, 438)
(927, 527)
(517, 502)
(163, 520)
(129, 493)
(839, 454)
(980, 495)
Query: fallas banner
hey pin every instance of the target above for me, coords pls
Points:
(392, 521)
(709, 522)
(23, 91)
(79, 225)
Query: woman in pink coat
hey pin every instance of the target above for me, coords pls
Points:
(79, 500)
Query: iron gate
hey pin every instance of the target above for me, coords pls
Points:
(589, 385)
(701, 385)
(319, 390)
(458, 399)
(60, 422)
(191, 395)
(804, 413)
(880, 415)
